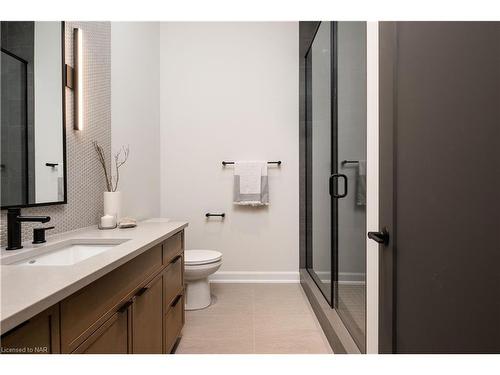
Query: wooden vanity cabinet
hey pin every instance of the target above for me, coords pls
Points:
(86, 310)
(137, 308)
(158, 316)
(38, 335)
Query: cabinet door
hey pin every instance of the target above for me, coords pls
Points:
(148, 318)
(113, 337)
(39, 335)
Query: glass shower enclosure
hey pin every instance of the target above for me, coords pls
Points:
(336, 169)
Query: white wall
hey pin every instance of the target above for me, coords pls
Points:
(135, 117)
(230, 91)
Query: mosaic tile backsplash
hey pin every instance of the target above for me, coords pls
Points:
(85, 180)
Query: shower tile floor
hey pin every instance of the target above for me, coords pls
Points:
(352, 307)
(254, 318)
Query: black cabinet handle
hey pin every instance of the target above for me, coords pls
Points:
(380, 237)
(52, 164)
(333, 179)
(176, 300)
(125, 306)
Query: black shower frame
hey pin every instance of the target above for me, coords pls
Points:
(333, 298)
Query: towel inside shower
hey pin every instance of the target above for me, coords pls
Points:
(251, 183)
(361, 184)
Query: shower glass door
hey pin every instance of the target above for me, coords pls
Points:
(336, 169)
(351, 162)
(319, 160)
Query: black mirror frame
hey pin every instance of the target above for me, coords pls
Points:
(63, 112)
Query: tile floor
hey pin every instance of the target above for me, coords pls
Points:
(254, 318)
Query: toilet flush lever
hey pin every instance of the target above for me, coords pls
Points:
(380, 237)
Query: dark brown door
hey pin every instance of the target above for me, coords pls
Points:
(440, 187)
(148, 319)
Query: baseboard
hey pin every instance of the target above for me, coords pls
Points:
(255, 277)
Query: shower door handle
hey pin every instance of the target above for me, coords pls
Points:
(333, 179)
(379, 237)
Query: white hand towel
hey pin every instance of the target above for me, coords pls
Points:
(250, 183)
(250, 175)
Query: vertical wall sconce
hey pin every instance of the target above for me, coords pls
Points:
(78, 78)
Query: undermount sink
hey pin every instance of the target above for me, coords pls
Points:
(64, 253)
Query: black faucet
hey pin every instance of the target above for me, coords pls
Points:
(14, 220)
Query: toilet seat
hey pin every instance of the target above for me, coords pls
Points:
(201, 257)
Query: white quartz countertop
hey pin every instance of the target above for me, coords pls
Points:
(29, 290)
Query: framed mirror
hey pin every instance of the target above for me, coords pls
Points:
(32, 111)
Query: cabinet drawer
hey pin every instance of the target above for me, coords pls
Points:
(172, 280)
(84, 311)
(172, 247)
(174, 320)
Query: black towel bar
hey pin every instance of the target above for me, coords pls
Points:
(208, 214)
(349, 162)
(269, 162)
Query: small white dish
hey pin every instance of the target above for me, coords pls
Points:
(127, 222)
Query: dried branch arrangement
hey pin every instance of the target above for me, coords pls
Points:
(120, 158)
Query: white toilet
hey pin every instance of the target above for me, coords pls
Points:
(198, 265)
